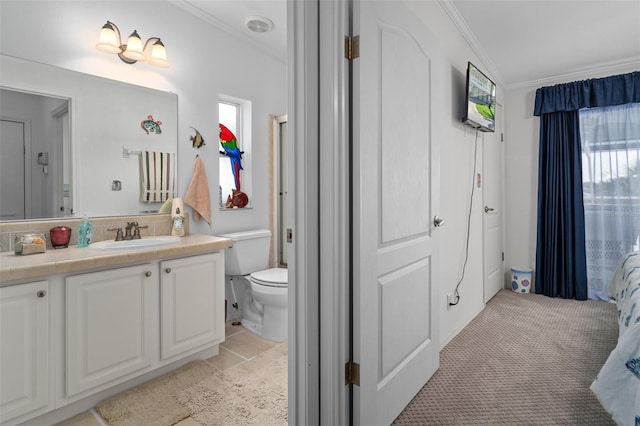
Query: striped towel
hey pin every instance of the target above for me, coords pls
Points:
(157, 176)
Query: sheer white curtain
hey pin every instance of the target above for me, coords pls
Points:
(611, 182)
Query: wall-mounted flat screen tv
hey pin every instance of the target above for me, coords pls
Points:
(481, 100)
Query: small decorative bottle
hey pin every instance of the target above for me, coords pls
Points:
(177, 217)
(85, 232)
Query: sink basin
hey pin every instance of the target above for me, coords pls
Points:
(143, 243)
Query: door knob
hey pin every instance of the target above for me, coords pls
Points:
(437, 221)
(487, 209)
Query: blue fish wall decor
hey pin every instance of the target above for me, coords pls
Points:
(149, 125)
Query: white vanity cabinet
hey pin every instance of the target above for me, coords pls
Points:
(24, 353)
(191, 303)
(80, 325)
(110, 325)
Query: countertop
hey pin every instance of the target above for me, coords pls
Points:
(74, 259)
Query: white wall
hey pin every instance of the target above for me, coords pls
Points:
(456, 175)
(204, 63)
(521, 165)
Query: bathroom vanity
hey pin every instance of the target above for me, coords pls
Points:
(79, 325)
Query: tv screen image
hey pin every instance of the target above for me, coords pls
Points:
(481, 100)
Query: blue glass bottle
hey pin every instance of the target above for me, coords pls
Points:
(85, 232)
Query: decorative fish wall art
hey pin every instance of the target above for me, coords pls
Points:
(196, 140)
(151, 126)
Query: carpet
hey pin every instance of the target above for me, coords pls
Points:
(246, 394)
(526, 359)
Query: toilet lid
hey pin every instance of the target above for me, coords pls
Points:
(275, 277)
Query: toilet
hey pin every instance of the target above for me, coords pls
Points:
(265, 310)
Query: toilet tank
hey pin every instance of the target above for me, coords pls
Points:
(249, 253)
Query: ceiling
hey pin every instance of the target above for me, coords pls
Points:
(527, 41)
(520, 42)
(230, 15)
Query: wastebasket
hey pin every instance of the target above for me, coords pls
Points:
(521, 279)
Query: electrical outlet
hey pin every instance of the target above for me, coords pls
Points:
(449, 301)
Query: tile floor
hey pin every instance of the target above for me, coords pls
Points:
(240, 346)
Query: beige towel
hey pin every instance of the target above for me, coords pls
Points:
(197, 195)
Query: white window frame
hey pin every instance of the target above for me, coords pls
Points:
(243, 134)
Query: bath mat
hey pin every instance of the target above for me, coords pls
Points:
(154, 402)
(85, 418)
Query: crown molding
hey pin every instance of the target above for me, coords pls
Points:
(620, 66)
(224, 27)
(596, 71)
(462, 26)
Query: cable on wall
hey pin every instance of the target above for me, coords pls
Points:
(456, 294)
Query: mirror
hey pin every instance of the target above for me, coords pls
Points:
(35, 168)
(87, 158)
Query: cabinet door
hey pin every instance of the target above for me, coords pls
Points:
(109, 325)
(24, 352)
(191, 303)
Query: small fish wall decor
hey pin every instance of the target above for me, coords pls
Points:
(197, 140)
(149, 125)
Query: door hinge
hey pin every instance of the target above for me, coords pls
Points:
(351, 47)
(503, 256)
(501, 137)
(352, 373)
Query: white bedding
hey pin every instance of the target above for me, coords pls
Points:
(617, 385)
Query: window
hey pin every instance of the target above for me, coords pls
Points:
(611, 189)
(235, 115)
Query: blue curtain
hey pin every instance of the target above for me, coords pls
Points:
(561, 259)
(561, 267)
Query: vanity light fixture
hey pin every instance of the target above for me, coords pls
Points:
(132, 52)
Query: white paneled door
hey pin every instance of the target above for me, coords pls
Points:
(493, 208)
(12, 173)
(395, 200)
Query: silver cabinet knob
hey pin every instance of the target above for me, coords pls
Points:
(147, 274)
(168, 270)
(41, 293)
(437, 221)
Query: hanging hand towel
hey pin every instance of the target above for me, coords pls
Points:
(197, 195)
(157, 176)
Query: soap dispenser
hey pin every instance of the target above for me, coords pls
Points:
(85, 232)
(177, 217)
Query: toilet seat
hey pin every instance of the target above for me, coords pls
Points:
(274, 277)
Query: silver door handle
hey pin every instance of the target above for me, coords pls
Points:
(437, 221)
(487, 209)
